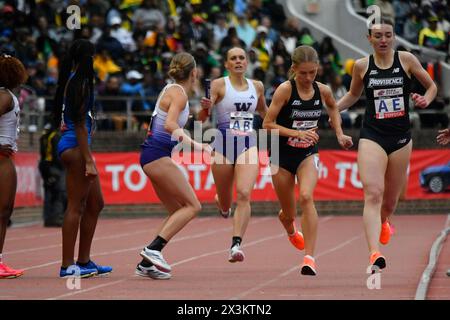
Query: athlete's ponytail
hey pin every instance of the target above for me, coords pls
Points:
(81, 86)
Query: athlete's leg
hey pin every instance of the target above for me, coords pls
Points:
(307, 175)
(8, 186)
(171, 182)
(223, 173)
(284, 184)
(89, 218)
(245, 174)
(77, 186)
(395, 179)
(372, 164)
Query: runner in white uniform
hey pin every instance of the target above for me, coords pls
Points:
(236, 156)
(12, 75)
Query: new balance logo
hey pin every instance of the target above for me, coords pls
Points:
(316, 102)
(296, 103)
(401, 141)
(373, 72)
(396, 70)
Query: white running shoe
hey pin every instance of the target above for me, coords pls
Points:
(155, 257)
(152, 272)
(236, 254)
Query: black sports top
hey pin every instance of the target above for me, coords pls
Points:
(300, 115)
(387, 92)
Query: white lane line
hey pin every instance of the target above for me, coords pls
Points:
(177, 239)
(57, 231)
(427, 275)
(182, 261)
(295, 268)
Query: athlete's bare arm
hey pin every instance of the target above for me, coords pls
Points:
(174, 101)
(217, 94)
(261, 107)
(333, 112)
(280, 98)
(413, 67)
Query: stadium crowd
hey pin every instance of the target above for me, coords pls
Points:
(135, 40)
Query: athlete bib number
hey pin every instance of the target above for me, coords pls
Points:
(302, 126)
(389, 103)
(241, 123)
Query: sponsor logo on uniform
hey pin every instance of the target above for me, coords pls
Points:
(385, 82)
(396, 70)
(302, 114)
(252, 97)
(316, 102)
(388, 92)
(373, 72)
(296, 103)
(401, 141)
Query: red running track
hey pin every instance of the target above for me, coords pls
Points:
(198, 255)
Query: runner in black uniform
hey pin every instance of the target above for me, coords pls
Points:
(295, 110)
(385, 145)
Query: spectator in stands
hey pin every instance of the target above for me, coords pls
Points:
(431, 36)
(53, 176)
(338, 90)
(348, 71)
(133, 87)
(150, 14)
(104, 65)
(272, 34)
(245, 31)
(220, 29)
(412, 27)
(124, 36)
(12, 75)
(387, 9)
(329, 54)
(401, 9)
(230, 41)
(111, 90)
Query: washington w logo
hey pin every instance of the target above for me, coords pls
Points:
(243, 106)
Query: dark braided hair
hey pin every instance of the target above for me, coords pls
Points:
(81, 85)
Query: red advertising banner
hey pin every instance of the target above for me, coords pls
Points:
(29, 190)
(124, 182)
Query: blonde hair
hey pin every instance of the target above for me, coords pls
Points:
(181, 66)
(303, 54)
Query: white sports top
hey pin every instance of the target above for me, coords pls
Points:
(236, 102)
(9, 124)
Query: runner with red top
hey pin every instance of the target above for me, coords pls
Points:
(12, 75)
(385, 140)
(295, 111)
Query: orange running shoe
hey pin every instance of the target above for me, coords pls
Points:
(297, 240)
(8, 273)
(308, 266)
(378, 260)
(385, 234)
